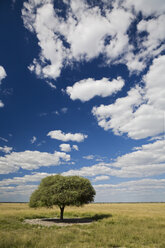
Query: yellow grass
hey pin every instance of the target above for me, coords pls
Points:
(115, 225)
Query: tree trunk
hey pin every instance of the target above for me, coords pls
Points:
(61, 213)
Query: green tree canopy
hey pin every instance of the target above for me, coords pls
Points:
(62, 191)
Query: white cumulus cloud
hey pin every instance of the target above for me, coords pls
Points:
(65, 147)
(148, 160)
(86, 89)
(68, 147)
(59, 135)
(17, 187)
(144, 190)
(141, 113)
(134, 190)
(19, 193)
(84, 41)
(63, 41)
(153, 42)
(35, 177)
(30, 160)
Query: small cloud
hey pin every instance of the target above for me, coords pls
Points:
(6, 149)
(59, 135)
(1, 104)
(65, 147)
(2, 73)
(64, 110)
(41, 143)
(75, 147)
(63, 91)
(89, 157)
(3, 139)
(33, 140)
(51, 85)
(99, 159)
(68, 148)
(55, 112)
(7, 92)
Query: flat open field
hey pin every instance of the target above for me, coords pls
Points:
(114, 225)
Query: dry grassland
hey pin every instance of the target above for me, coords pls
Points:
(115, 225)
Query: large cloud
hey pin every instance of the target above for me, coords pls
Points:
(86, 89)
(59, 135)
(141, 113)
(148, 160)
(35, 177)
(30, 160)
(20, 188)
(20, 193)
(64, 40)
(144, 190)
(145, 161)
(136, 190)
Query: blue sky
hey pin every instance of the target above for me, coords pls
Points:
(82, 93)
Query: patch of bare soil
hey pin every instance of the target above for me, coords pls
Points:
(66, 222)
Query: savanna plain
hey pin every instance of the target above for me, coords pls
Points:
(114, 225)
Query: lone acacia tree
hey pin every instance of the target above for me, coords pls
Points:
(62, 191)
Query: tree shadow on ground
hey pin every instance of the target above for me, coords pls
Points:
(80, 220)
(67, 221)
(70, 220)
